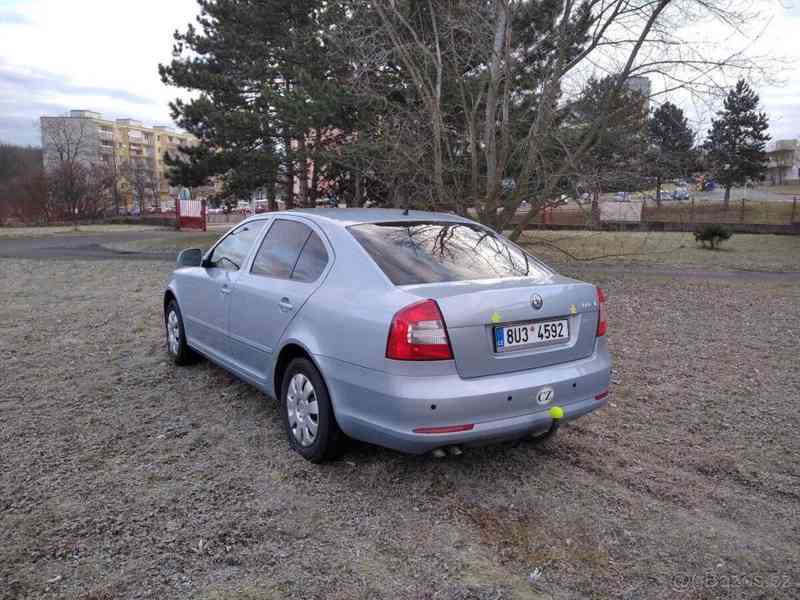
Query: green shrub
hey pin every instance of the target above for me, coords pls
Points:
(711, 236)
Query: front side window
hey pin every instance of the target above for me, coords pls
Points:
(280, 249)
(431, 252)
(230, 253)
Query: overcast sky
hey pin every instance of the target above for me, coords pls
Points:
(103, 55)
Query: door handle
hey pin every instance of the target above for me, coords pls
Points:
(224, 290)
(285, 305)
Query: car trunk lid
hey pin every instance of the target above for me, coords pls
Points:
(472, 310)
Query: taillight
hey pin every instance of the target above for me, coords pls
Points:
(418, 332)
(602, 324)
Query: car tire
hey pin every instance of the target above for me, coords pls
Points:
(308, 413)
(176, 336)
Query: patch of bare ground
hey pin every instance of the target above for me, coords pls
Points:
(126, 477)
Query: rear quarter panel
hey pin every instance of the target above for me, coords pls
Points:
(348, 316)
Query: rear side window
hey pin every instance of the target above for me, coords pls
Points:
(313, 260)
(280, 249)
(230, 253)
(431, 252)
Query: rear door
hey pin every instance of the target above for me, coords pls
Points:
(485, 285)
(286, 270)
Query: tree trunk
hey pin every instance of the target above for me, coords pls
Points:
(272, 205)
(490, 117)
(313, 192)
(356, 191)
(289, 184)
(436, 113)
(302, 170)
(595, 207)
(658, 191)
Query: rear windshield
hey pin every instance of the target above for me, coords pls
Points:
(430, 252)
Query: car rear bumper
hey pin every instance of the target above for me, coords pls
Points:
(385, 409)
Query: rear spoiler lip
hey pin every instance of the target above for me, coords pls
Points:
(551, 278)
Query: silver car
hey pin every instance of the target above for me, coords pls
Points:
(418, 331)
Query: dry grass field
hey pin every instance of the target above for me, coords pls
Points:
(124, 476)
(746, 252)
(775, 253)
(68, 230)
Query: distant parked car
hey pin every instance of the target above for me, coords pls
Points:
(326, 202)
(680, 193)
(416, 331)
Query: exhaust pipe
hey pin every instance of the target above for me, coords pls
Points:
(451, 450)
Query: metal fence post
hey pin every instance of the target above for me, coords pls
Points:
(794, 209)
(741, 215)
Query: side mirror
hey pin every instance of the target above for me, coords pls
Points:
(191, 257)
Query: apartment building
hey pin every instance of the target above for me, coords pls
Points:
(783, 162)
(86, 136)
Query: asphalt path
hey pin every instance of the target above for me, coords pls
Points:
(77, 245)
(94, 247)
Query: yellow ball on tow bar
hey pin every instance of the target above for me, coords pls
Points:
(556, 412)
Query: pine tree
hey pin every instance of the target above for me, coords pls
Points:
(262, 81)
(671, 142)
(737, 140)
(615, 161)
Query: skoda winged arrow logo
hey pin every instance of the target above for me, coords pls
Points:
(536, 301)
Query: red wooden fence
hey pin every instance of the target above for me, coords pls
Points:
(190, 214)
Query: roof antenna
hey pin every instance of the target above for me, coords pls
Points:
(405, 212)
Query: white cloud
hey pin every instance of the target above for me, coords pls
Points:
(104, 54)
(94, 54)
(770, 37)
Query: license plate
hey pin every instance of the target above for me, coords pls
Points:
(511, 337)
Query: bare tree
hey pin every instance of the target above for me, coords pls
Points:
(116, 176)
(140, 177)
(471, 95)
(68, 155)
(23, 192)
(101, 181)
(154, 188)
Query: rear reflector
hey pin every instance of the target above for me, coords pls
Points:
(601, 395)
(450, 429)
(418, 332)
(602, 324)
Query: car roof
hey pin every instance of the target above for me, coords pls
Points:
(355, 216)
